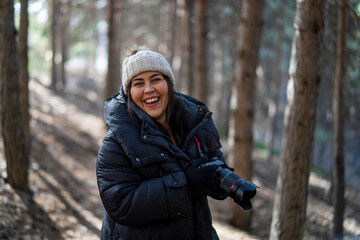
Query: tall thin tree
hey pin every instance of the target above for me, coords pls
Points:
(2, 23)
(23, 72)
(240, 133)
(179, 67)
(201, 51)
(54, 43)
(16, 155)
(275, 85)
(338, 166)
(64, 39)
(170, 31)
(113, 77)
(189, 47)
(167, 28)
(288, 218)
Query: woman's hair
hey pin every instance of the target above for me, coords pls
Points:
(174, 112)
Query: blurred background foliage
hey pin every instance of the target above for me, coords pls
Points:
(147, 23)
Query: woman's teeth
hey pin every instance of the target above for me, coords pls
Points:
(151, 100)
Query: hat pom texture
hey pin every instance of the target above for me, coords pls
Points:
(144, 61)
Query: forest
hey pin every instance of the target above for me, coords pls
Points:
(282, 79)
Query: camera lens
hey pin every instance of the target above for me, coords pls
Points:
(237, 188)
(234, 186)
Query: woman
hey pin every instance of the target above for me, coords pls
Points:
(148, 170)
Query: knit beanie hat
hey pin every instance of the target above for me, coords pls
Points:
(143, 61)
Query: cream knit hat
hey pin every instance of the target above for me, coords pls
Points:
(144, 61)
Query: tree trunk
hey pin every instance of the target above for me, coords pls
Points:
(217, 95)
(90, 67)
(178, 36)
(180, 48)
(171, 41)
(241, 135)
(23, 73)
(113, 77)
(54, 47)
(2, 26)
(229, 72)
(275, 85)
(16, 156)
(289, 210)
(167, 29)
(189, 48)
(338, 168)
(64, 38)
(201, 51)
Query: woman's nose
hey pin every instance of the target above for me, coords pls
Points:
(149, 88)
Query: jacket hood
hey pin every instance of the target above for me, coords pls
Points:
(115, 110)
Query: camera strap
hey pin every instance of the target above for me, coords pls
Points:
(198, 146)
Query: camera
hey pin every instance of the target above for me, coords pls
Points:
(235, 187)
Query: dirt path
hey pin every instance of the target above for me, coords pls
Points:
(67, 129)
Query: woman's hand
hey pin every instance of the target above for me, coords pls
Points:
(201, 178)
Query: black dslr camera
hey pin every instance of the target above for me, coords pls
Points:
(236, 187)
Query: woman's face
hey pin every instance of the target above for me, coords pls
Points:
(150, 92)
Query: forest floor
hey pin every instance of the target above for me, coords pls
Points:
(67, 129)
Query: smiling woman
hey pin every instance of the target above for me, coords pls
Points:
(148, 170)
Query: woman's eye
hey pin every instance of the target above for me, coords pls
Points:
(137, 84)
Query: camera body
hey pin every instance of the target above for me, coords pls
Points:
(235, 187)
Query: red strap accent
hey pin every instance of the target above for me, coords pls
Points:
(197, 141)
(198, 146)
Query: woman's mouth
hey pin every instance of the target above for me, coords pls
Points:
(151, 100)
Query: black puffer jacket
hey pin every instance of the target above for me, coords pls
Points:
(140, 175)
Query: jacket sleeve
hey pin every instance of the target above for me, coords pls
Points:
(213, 148)
(131, 200)
(216, 192)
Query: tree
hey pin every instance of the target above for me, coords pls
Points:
(113, 77)
(60, 21)
(201, 56)
(240, 134)
(23, 72)
(2, 23)
(189, 48)
(289, 210)
(275, 85)
(178, 65)
(54, 43)
(16, 155)
(64, 38)
(169, 23)
(338, 167)
(167, 29)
